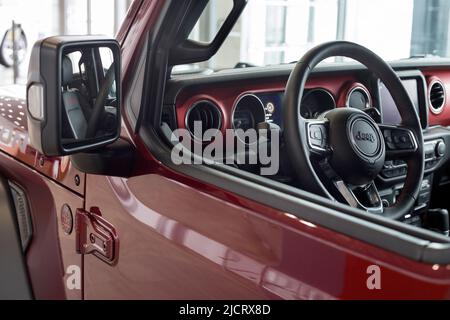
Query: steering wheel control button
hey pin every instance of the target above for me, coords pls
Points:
(365, 137)
(316, 133)
(317, 136)
(398, 139)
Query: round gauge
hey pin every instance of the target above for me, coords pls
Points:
(358, 98)
(315, 102)
(248, 112)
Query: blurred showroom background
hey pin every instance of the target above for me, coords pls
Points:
(269, 31)
(42, 18)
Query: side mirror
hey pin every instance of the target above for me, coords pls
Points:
(73, 94)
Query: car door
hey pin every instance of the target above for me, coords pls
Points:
(180, 240)
(44, 190)
(184, 237)
(185, 231)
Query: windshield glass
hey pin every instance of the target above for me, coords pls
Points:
(271, 32)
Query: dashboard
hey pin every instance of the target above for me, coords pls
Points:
(267, 106)
(243, 98)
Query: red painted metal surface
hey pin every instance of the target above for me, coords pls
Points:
(182, 238)
(51, 251)
(128, 21)
(140, 19)
(49, 184)
(14, 141)
(345, 92)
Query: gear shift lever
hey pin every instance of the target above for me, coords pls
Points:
(437, 220)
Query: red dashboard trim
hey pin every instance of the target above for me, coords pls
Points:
(442, 119)
(345, 92)
(225, 97)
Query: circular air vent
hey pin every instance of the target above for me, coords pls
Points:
(437, 97)
(202, 116)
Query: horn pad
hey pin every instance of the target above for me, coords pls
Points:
(358, 146)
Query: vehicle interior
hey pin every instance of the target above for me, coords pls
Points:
(354, 129)
(362, 92)
(85, 92)
(402, 178)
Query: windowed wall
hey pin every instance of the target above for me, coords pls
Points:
(93, 16)
(431, 31)
(292, 27)
(43, 18)
(281, 31)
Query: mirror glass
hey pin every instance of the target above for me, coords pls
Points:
(89, 95)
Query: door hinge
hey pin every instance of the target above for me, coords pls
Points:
(95, 235)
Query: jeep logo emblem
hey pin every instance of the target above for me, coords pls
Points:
(362, 136)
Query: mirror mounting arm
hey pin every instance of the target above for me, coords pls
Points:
(115, 160)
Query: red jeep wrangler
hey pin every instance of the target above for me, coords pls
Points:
(122, 177)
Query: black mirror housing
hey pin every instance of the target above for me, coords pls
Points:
(69, 101)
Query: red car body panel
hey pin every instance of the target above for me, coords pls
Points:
(184, 239)
(49, 184)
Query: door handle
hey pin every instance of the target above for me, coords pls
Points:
(95, 235)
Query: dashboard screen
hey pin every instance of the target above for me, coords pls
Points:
(390, 111)
(272, 105)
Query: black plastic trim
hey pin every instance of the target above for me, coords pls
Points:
(45, 66)
(189, 51)
(15, 284)
(197, 104)
(116, 159)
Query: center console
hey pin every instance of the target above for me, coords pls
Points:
(434, 152)
(394, 173)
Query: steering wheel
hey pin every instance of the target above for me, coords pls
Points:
(339, 154)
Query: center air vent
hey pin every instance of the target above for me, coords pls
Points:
(437, 97)
(205, 113)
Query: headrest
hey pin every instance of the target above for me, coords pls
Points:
(67, 71)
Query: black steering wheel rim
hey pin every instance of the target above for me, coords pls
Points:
(296, 135)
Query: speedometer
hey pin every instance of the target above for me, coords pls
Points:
(358, 98)
(248, 112)
(316, 102)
